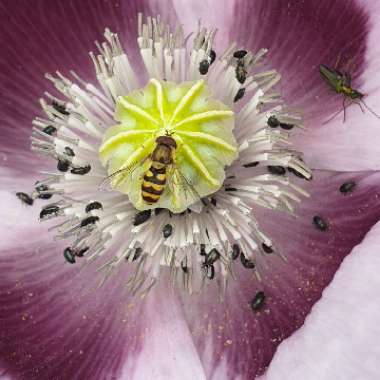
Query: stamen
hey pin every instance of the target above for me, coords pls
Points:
(225, 160)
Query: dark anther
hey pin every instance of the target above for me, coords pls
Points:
(184, 266)
(347, 187)
(41, 188)
(60, 108)
(89, 220)
(63, 165)
(208, 270)
(239, 54)
(239, 94)
(49, 210)
(45, 196)
(258, 301)
(94, 206)
(157, 210)
(267, 248)
(69, 256)
(50, 130)
(212, 256)
(235, 251)
(137, 254)
(230, 189)
(273, 121)
(141, 217)
(25, 198)
(167, 230)
(251, 164)
(241, 72)
(69, 151)
(276, 170)
(320, 223)
(247, 263)
(81, 252)
(203, 67)
(213, 201)
(81, 170)
(286, 126)
(212, 57)
(203, 250)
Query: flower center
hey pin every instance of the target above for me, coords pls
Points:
(171, 145)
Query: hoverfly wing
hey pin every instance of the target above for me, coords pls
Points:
(107, 183)
(182, 187)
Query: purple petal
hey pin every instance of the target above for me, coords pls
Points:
(231, 334)
(39, 38)
(55, 323)
(339, 338)
(352, 145)
(54, 320)
(300, 36)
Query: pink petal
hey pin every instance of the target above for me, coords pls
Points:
(339, 339)
(232, 336)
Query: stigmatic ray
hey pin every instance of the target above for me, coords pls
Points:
(166, 171)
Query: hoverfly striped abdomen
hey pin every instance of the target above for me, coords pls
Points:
(154, 183)
(154, 180)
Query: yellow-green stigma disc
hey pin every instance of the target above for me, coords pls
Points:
(201, 127)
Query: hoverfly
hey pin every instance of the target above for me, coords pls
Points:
(162, 172)
(340, 82)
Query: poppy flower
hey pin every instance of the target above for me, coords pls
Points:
(203, 215)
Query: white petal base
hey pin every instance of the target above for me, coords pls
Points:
(168, 349)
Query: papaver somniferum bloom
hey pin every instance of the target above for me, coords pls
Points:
(185, 202)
